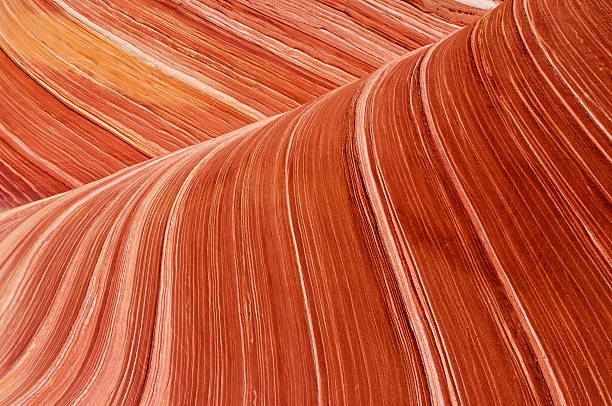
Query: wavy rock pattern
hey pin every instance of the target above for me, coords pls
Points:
(436, 233)
(158, 76)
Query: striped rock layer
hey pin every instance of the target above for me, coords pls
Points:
(149, 77)
(437, 233)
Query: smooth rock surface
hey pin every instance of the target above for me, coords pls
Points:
(436, 233)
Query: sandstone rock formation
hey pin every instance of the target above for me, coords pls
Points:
(157, 76)
(437, 232)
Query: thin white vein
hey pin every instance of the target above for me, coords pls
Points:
(409, 296)
(309, 320)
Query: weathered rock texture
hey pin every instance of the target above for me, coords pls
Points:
(157, 76)
(436, 233)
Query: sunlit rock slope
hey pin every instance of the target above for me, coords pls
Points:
(437, 233)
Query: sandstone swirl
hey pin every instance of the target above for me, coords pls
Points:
(436, 233)
(149, 77)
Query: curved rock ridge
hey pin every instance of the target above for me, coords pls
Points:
(437, 233)
(157, 76)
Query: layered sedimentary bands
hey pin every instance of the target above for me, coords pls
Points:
(150, 77)
(434, 233)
